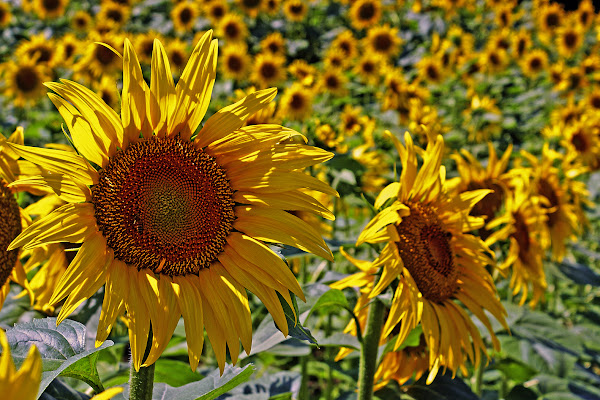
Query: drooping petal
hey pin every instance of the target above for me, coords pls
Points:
(115, 297)
(190, 302)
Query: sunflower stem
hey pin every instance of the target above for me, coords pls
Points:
(479, 379)
(368, 353)
(141, 382)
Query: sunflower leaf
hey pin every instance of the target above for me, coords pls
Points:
(295, 327)
(62, 349)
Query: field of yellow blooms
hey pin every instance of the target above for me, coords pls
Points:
(299, 199)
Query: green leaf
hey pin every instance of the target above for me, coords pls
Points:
(333, 298)
(295, 328)
(60, 347)
(442, 388)
(174, 373)
(516, 370)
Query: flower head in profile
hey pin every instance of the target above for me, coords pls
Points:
(435, 268)
(173, 221)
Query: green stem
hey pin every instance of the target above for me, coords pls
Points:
(141, 382)
(303, 393)
(479, 379)
(368, 353)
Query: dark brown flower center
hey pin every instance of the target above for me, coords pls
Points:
(115, 15)
(232, 30)
(27, 79)
(571, 40)
(546, 189)
(51, 5)
(521, 235)
(234, 63)
(297, 102)
(552, 20)
(162, 204)
(104, 55)
(10, 227)
(366, 11)
(383, 42)
(268, 70)
(185, 16)
(425, 249)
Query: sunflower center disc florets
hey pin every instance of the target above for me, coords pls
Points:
(10, 227)
(162, 204)
(424, 247)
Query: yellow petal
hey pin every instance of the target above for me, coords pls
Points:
(139, 319)
(115, 296)
(133, 97)
(390, 215)
(108, 393)
(162, 90)
(291, 201)
(278, 181)
(190, 302)
(64, 186)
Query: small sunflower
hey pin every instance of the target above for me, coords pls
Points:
(347, 43)
(295, 10)
(592, 100)
(268, 70)
(369, 67)
(5, 14)
(329, 138)
(351, 120)
(70, 49)
(303, 72)
(216, 10)
(430, 70)
(115, 12)
(333, 81)
(495, 59)
(525, 228)
(580, 139)
(107, 90)
(39, 49)
(590, 67)
(521, 43)
(534, 62)
(274, 43)
(81, 21)
(171, 221)
(383, 40)
(402, 365)
(336, 58)
(232, 28)
(365, 13)
(24, 383)
(585, 13)
(432, 262)
(550, 17)
(296, 102)
(272, 7)
(569, 39)
(49, 9)
(100, 60)
(178, 55)
(235, 61)
(144, 43)
(24, 81)
(250, 7)
(184, 16)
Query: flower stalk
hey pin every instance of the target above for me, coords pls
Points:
(141, 383)
(368, 353)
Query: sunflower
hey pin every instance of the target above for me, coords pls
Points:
(5, 14)
(107, 90)
(525, 227)
(12, 218)
(296, 102)
(494, 177)
(39, 49)
(534, 62)
(268, 70)
(401, 365)
(81, 21)
(235, 61)
(365, 13)
(112, 11)
(295, 10)
(177, 54)
(274, 43)
(24, 81)
(184, 16)
(303, 72)
(369, 66)
(495, 59)
(592, 100)
(433, 261)
(347, 43)
(329, 138)
(271, 7)
(350, 120)
(172, 222)
(250, 7)
(590, 67)
(70, 49)
(521, 43)
(144, 43)
(333, 81)
(383, 40)
(581, 139)
(24, 383)
(266, 115)
(430, 70)
(49, 9)
(562, 213)
(216, 10)
(232, 28)
(585, 13)
(505, 16)
(336, 58)
(100, 60)
(569, 39)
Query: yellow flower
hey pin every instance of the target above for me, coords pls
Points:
(144, 43)
(534, 62)
(24, 383)
(268, 70)
(569, 39)
(216, 10)
(585, 13)
(351, 120)
(430, 70)
(495, 59)
(235, 61)
(38, 49)
(274, 43)
(401, 365)
(295, 10)
(550, 17)
(81, 21)
(184, 16)
(100, 60)
(580, 139)
(333, 81)
(108, 92)
(369, 67)
(232, 28)
(5, 14)
(346, 42)
(432, 261)
(521, 43)
(70, 49)
(115, 12)
(250, 7)
(365, 13)
(335, 57)
(177, 53)
(171, 221)
(383, 40)
(303, 72)
(524, 227)
(296, 102)
(48, 9)
(271, 7)
(24, 81)
(329, 138)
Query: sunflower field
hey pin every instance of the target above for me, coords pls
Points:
(299, 199)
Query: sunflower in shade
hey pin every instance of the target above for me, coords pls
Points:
(170, 220)
(432, 262)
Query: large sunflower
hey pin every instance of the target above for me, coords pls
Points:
(174, 222)
(432, 262)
